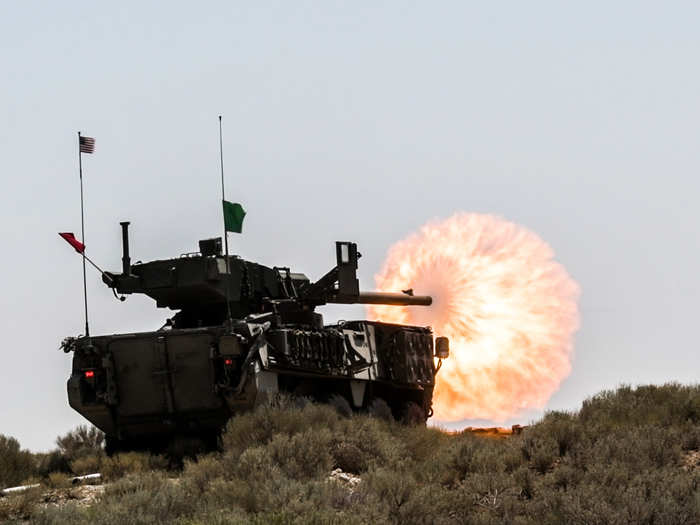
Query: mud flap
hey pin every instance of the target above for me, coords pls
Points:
(265, 384)
(358, 392)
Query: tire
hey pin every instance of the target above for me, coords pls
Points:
(413, 414)
(380, 409)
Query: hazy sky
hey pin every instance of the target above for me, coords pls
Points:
(349, 120)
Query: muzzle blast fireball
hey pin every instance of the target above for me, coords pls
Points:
(508, 308)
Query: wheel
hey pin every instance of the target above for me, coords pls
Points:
(340, 404)
(413, 414)
(380, 409)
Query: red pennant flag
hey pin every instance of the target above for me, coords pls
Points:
(75, 243)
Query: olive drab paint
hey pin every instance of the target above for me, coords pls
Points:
(184, 381)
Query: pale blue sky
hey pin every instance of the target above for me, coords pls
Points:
(349, 120)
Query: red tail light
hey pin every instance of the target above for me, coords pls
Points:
(89, 374)
(228, 362)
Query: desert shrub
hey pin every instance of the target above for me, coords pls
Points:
(133, 483)
(463, 461)
(250, 496)
(87, 465)
(479, 486)
(143, 498)
(490, 456)
(258, 479)
(58, 480)
(540, 449)
(349, 457)
(363, 441)
(525, 482)
(565, 476)
(302, 456)
(79, 451)
(610, 463)
(136, 499)
(665, 405)
(256, 462)
(261, 492)
(279, 416)
(654, 497)
(313, 415)
(558, 434)
(689, 437)
(422, 507)
(391, 488)
(119, 465)
(341, 405)
(197, 475)
(286, 517)
(16, 465)
(563, 428)
(542, 460)
(53, 461)
(380, 409)
(635, 450)
(19, 507)
(423, 442)
(81, 441)
(217, 516)
(512, 455)
(318, 498)
(657, 444)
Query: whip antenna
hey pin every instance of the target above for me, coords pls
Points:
(223, 200)
(85, 145)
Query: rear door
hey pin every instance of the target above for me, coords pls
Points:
(192, 371)
(141, 375)
(164, 373)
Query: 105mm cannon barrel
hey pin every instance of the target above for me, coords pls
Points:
(385, 298)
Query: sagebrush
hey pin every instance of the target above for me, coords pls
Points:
(622, 458)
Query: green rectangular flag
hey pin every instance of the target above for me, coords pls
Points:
(233, 217)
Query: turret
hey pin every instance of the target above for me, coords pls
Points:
(196, 283)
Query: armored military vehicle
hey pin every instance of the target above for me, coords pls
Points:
(242, 332)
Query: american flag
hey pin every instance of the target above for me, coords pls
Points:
(87, 145)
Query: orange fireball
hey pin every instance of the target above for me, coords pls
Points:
(509, 310)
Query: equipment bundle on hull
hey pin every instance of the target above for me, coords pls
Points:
(242, 332)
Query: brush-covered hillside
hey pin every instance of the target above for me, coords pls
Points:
(627, 456)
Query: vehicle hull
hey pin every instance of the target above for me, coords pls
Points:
(145, 390)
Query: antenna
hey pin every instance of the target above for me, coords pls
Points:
(82, 230)
(223, 203)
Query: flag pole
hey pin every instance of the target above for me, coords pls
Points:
(98, 268)
(82, 231)
(223, 199)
